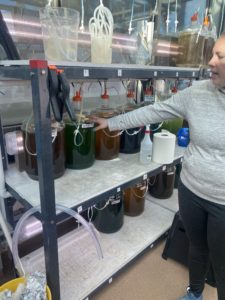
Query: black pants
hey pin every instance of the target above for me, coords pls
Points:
(204, 223)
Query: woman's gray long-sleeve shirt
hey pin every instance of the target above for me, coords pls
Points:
(203, 106)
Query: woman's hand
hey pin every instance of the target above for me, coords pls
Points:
(102, 123)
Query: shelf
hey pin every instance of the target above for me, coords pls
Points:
(20, 70)
(82, 188)
(82, 272)
(205, 73)
(170, 203)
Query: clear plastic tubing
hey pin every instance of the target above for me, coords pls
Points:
(4, 194)
(60, 207)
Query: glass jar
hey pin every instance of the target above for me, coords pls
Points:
(79, 143)
(134, 199)
(130, 139)
(28, 130)
(107, 143)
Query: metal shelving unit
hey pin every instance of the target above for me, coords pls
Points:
(37, 72)
(92, 185)
(15, 70)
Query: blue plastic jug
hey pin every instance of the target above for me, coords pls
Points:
(183, 137)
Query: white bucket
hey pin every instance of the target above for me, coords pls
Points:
(60, 32)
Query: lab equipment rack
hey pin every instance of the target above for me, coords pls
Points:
(45, 191)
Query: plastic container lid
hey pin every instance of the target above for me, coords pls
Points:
(105, 96)
(147, 129)
(77, 97)
(183, 131)
(194, 17)
(130, 94)
(183, 137)
(206, 21)
(174, 89)
(149, 91)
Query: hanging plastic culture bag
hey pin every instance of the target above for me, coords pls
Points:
(101, 31)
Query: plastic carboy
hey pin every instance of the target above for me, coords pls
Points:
(28, 130)
(134, 199)
(161, 186)
(107, 143)
(191, 43)
(108, 214)
(130, 139)
(79, 143)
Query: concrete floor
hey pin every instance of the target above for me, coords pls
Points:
(151, 278)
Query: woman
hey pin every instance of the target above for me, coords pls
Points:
(201, 189)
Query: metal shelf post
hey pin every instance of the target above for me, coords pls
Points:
(40, 98)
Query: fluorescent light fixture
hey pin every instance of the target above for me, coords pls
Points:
(167, 45)
(38, 25)
(167, 52)
(21, 22)
(29, 35)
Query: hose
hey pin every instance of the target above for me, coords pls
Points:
(27, 214)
